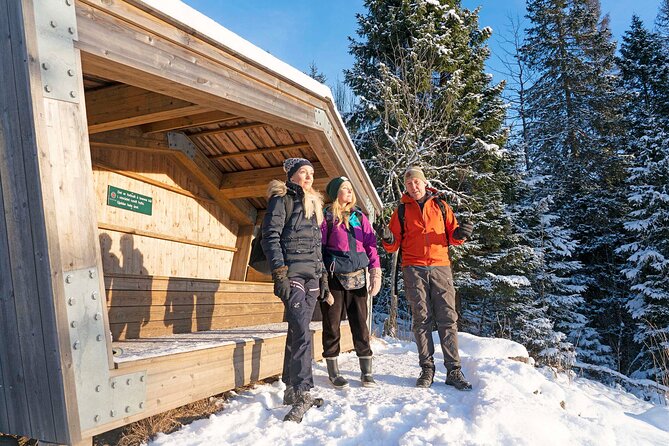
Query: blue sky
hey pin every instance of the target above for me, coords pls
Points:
(301, 31)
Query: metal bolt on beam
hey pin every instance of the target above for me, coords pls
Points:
(70, 72)
(141, 405)
(73, 324)
(91, 273)
(73, 94)
(53, 24)
(70, 30)
(97, 316)
(71, 301)
(128, 382)
(94, 295)
(68, 2)
(113, 384)
(76, 345)
(45, 65)
(98, 388)
(96, 418)
(98, 338)
(127, 409)
(68, 278)
(112, 413)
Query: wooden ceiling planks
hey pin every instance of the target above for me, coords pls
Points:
(122, 106)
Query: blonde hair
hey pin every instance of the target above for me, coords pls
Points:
(340, 213)
(313, 204)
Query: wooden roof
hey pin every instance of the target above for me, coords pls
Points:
(148, 77)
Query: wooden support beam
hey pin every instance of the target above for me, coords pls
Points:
(240, 260)
(253, 183)
(185, 122)
(132, 139)
(209, 176)
(234, 128)
(124, 106)
(263, 151)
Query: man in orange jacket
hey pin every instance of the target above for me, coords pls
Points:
(429, 229)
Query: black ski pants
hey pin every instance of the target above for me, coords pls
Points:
(352, 303)
(298, 353)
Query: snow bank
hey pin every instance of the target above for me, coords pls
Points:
(512, 404)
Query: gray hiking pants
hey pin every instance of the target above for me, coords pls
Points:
(431, 295)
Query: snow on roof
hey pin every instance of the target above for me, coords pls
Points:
(182, 13)
(186, 15)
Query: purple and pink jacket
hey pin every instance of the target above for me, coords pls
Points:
(337, 253)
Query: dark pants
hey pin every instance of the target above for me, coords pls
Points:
(298, 353)
(353, 303)
(431, 295)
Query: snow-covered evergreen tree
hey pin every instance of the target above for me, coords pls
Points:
(572, 140)
(426, 100)
(644, 67)
(662, 22)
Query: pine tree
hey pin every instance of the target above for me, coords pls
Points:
(644, 68)
(424, 99)
(573, 117)
(316, 74)
(662, 22)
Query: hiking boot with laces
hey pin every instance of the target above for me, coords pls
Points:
(303, 402)
(289, 398)
(456, 379)
(426, 377)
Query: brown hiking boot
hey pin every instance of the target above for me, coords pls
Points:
(426, 376)
(456, 379)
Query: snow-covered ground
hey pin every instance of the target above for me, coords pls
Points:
(512, 403)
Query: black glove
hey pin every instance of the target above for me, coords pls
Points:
(463, 231)
(384, 233)
(324, 287)
(281, 283)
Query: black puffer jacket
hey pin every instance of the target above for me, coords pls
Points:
(296, 242)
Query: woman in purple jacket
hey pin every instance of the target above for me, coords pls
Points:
(349, 246)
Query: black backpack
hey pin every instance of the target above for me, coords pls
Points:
(258, 260)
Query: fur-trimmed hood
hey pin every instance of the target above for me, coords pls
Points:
(311, 199)
(276, 188)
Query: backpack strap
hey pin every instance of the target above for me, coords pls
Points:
(401, 209)
(288, 203)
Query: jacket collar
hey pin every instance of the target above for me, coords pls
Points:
(294, 189)
(429, 191)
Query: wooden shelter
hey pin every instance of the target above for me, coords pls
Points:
(135, 151)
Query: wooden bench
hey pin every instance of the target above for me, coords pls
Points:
(149, 306)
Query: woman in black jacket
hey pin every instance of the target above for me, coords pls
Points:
(293, 249)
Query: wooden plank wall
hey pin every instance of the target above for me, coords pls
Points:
(32, 384)
(142, 307)
(187, 235)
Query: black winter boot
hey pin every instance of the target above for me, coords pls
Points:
(456, 379)
(303, 402)
(426, 376)
(366, 368)
(338, 381)
(288, 396)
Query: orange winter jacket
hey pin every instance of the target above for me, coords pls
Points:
(426, 235)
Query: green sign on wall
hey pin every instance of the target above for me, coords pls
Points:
(131, 201)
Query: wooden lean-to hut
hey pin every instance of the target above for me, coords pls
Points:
(137, 139)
